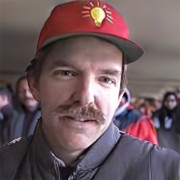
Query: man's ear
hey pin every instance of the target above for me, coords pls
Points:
(121, 95)
(33, 85)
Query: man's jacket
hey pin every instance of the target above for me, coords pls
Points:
(114, 156)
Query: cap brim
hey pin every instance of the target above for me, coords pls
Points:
(131, 50)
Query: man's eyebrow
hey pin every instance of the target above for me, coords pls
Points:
(60, 63)
(112, 72)
(64, 63)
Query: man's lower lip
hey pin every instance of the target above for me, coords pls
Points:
(78, 121)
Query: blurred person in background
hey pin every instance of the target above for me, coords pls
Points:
(145, 108)
(157, 104)
(167, 122)
(28, 109)
(178, 93)
(126, 113)
(7, 114)
(130, 120)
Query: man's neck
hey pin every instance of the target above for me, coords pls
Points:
(30, 109)
(69, 157)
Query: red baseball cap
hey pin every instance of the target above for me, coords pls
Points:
(89, 18)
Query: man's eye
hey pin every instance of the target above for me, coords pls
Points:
(107, 80)
(64, 73)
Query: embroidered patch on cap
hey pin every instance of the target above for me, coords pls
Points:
(98, 12)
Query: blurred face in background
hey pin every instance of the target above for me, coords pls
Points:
(157, 104)
(3, 101)
(170, 102)
(25, 96)
(5, 97)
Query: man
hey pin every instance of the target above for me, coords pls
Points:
(78, 76)
(27, 108)
(7, 114)
(167, 122)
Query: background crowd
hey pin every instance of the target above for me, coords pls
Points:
(151, 119)
(19, 111)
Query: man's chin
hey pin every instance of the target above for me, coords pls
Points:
(80, 142)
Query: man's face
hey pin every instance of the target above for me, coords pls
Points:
(25, 96)
(170, 102)
(82, 74)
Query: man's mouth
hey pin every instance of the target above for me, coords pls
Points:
(81, 119)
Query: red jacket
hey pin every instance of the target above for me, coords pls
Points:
(144, 129)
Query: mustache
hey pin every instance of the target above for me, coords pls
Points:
(81, 113)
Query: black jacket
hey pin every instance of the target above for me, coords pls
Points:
(8, 116)
(168, 136)
(114, 156)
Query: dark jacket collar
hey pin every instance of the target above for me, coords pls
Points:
(99, 151)
(94, 156)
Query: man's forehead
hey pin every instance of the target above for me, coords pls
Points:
(171, 97)
(22, 82)
(107, 68)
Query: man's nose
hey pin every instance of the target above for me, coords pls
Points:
(27, 93)
(86, 92)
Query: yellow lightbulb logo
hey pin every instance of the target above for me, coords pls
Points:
(98, 15)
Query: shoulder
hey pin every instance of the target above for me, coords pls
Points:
(138, 145)
(12, 154)
(16, 146)
(9, 111)
(141, 154)
(159, 112)
(135, 146)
